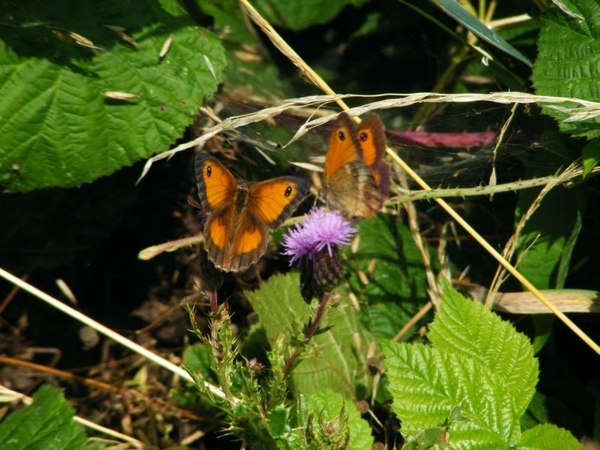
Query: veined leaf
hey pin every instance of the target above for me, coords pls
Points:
(465, 328)
(334, 358)
(548, 437)
(47, 423)
(567, 64)
(477, 365)
(59, 126)
(428, 384)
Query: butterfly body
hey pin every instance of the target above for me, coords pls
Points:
(240, 216)
(356, 178)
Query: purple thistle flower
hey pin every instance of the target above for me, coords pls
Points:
(321, 229)
(314, 244)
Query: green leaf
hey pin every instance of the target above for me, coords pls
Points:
(548, 437)
(299, 15)
(476, 363)
(46, 424)
(59, 128)
(245, 58)
(335, 357)
(469, 329)
(280, 307)
(590, 156)
(339, 361)
(335, 421)
(455, 10)
(545, 245)
(568, 60)
(198, 359)
(278, 422)
(395, 285)
(429, 383)
(385, 319)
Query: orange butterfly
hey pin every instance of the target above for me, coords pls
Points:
(241, 215)
(356, 178)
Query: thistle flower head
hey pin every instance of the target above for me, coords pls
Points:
(314, 243)
(321, 229)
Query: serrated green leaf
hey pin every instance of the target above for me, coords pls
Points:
(567, 63)
(280, 307)
(549, 437)
(46, 424)
(335, 360)
(59, 128)
(469, 329)
(429, 383)
(336, 420)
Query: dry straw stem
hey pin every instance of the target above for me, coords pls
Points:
(585, 108)
(568, 174)
(581, 108)
(111, 334)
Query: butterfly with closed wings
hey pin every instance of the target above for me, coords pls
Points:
(356, 178)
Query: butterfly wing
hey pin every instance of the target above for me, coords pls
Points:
(273, 201)
(267, 205)
(353, 189)
(356, 179)
(343, 147)
(371, 138)
(217, 190)
(216, 185)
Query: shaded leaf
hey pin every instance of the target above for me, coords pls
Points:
(333, 358)
(567, 62)
(300, 15)
(455, 10)
(47, 423)
(392, 267)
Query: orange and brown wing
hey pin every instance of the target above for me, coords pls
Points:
(371, 138)
(356, 179)
(354, 190)
(217, 190)
(343, 147)
(271, 202)
(265, 206)
(216, 185)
